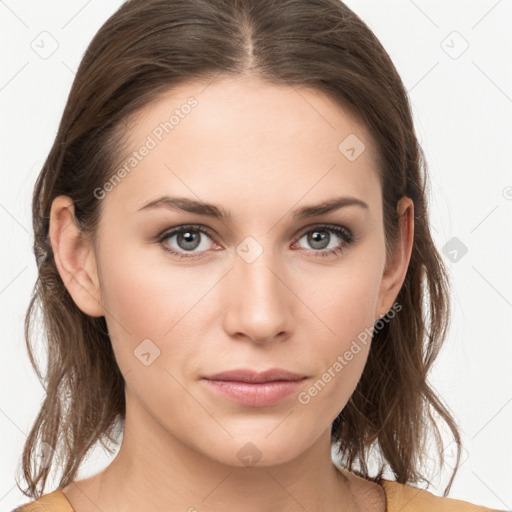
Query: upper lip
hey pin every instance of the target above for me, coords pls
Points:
(248, 375)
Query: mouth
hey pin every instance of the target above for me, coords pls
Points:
(255, 389)
(249, 375)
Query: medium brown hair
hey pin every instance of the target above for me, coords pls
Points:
(143, 50)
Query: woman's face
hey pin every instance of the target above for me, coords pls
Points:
(272, 284)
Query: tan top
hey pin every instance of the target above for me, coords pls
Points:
(400, 498)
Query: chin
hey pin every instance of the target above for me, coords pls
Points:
(257, 451)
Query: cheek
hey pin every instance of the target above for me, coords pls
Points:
(149, 322)
(347, 321)
(346, 304)
(149, 301)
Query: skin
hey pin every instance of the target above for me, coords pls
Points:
(260, 151)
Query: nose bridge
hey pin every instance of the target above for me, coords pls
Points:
(259, 279)
(259, 302)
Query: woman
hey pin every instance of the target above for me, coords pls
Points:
(234, 259)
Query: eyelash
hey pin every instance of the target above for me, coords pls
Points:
(345, 234)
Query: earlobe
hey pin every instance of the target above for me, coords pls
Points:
(74, 257)
(396, 270)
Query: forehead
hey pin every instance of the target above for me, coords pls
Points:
(247, 137)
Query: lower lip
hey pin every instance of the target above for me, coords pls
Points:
(258, 394)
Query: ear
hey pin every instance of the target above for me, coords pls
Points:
(396, 269)
(74, 257)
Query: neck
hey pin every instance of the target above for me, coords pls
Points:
(155, 471)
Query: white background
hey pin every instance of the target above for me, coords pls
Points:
(462, 105)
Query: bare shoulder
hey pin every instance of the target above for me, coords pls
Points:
(81, 494)
(370, 496)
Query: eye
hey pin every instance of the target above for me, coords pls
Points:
(192, 240)
(187, 239)
(321, 239)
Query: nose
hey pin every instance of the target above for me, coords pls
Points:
(259, 300)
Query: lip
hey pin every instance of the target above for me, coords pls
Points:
(249, 375)
(255, 389)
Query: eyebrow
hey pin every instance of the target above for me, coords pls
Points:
(186, 204)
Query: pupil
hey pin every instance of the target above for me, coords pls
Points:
(319, 239)
(187, 238)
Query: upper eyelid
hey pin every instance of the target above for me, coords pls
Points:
(183, 227)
